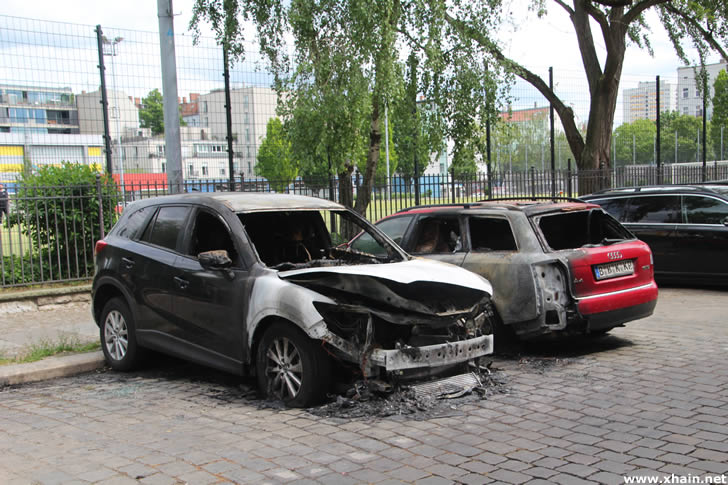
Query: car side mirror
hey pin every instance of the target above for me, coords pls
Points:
(725, 221)
(215, 260)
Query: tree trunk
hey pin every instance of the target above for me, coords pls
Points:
(364, 193)
(346, 198)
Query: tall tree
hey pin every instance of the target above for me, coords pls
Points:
(331, 39)
(275, 160)
(704, 22)
(151, 114)
(719, 122)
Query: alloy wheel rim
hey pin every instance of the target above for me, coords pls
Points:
(116, 335)
(284, 369)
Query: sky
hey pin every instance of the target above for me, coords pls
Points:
(536, 43)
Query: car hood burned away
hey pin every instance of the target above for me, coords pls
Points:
(412, 319)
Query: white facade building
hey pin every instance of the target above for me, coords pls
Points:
(640, 103)
(689, 100)
(123, 114)
(252, 107)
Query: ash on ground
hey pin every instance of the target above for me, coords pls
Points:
(371, 399)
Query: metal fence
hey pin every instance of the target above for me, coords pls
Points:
(50, 232)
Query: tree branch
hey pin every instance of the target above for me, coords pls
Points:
(568, 9)
(707, 35)
(585, 40)
(637, 10)
(566, 114)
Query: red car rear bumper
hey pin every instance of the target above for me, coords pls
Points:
(614, 308)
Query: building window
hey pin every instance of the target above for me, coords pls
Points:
(697, 92)
(160, 150)
(685, 110)
(203, 107)
(190, 170)
(164, 167)
(222, 172)
(250, 167)
(686, 93)
(245, 102)
(204, 170)
(698, 111)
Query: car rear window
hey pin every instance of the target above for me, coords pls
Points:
(132, 227)
(570, 230)
(491, 234)
(165, 229)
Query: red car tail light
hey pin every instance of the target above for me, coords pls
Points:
(100, 245)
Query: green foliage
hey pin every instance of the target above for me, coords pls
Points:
(58, 209)
(635, 143)
(689, 130)
(720, 115)
(151, 114)
(275, 160)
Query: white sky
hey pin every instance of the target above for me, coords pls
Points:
(535, 43)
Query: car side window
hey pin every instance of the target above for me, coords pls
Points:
(164, 230)
(394, 227)
(704, 210)
(437, 235)
(491, 234)
(134, 224)
(614, 207)
(210, 233)
(655, 209)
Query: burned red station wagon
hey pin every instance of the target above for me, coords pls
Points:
(557, 268)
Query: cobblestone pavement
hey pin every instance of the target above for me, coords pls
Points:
(650, 399)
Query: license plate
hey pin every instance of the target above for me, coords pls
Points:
(613, 270)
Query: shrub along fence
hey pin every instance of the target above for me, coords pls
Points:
(52, 226)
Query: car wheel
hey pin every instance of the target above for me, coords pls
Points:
(118, 337)
(505, 340)
(291, 366)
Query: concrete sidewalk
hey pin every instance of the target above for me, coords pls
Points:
(47, 316)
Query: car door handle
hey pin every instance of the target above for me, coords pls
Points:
(181, 283)
(128, 263)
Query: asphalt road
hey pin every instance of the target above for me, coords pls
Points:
(649, 399)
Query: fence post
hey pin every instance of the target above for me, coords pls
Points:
(452, 184)
(101, 205)
(242, 181)
(104, 99)
(533, 182)
(551, 120)
(228, 114)
(568, 179)
(658, 158)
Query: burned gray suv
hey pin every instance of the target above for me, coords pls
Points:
(264, 284)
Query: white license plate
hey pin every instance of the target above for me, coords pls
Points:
(613, 270)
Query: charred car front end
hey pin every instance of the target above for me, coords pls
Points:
(264, 284)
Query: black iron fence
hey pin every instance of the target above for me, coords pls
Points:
(49, 232)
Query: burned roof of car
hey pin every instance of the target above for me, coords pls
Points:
(247, 201)
(528, 207)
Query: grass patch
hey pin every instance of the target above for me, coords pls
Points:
(48, 348)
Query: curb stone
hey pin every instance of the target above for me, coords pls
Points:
(50, 368)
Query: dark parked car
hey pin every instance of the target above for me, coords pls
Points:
(686, 227)
(556, 268)
(260, 283)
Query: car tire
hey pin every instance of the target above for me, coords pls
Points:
(291, 366)
(118, 336)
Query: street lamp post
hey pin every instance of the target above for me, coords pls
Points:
(116, 109)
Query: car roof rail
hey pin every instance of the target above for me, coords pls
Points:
(650, 188)
(527, 198)
(480, 203)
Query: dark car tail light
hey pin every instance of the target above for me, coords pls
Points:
(100, 245)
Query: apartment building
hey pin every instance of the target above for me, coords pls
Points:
(25, 109)
(640, 103)
(689, 99)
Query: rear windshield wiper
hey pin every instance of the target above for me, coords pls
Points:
(607, 241)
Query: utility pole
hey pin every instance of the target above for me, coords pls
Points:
(173, 149)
